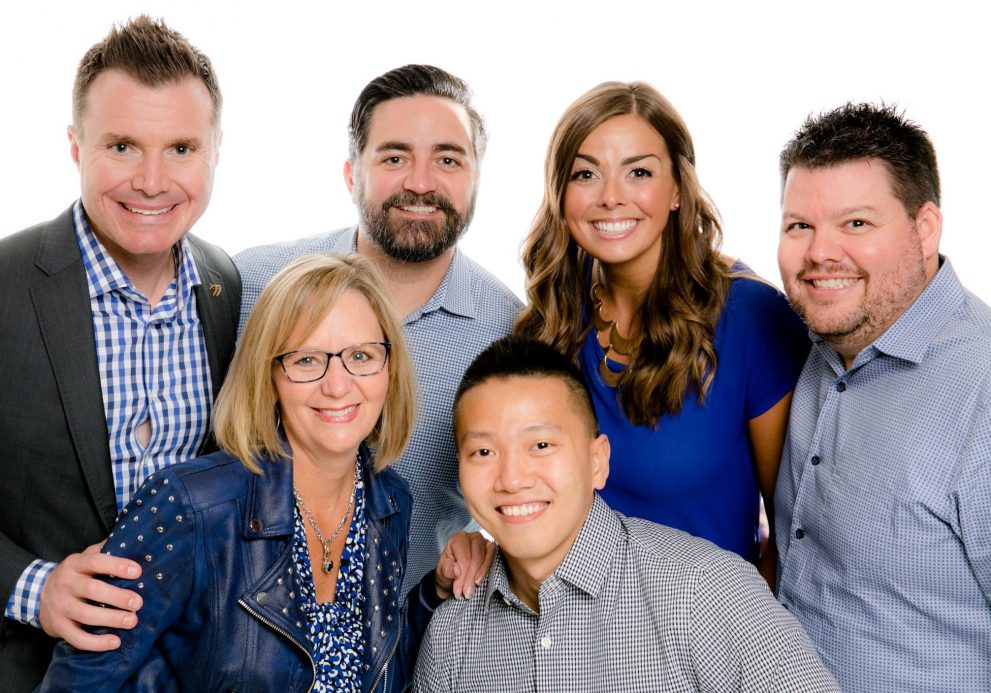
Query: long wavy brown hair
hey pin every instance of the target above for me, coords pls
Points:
(683, 302)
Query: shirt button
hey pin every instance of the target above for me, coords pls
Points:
(841, 386)
(815, 460)
(799, 533)
(546, 642)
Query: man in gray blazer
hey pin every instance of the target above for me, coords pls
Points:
(116, 329)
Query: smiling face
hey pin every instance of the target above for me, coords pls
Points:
(415, 182)
(146, 157)
(620, 194)
(852, 260)
(326, 420)
(529, 465)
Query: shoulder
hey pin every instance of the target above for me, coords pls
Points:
(275, 256)
(23, 246)
(492, 294)
(206, 481)
(391, 482)
(212, 256)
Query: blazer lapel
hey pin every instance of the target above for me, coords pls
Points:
(214, 299)
(62, 305)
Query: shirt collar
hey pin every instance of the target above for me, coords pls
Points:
(586, 565)
(914, 331)
(103, 275)
(454, 294)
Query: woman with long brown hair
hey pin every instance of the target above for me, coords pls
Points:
(690, 357)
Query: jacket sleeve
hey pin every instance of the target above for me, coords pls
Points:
(157, 531)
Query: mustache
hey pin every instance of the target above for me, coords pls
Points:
(407, 198)
(831, 268)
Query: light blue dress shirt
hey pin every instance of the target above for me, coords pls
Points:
(884, 501)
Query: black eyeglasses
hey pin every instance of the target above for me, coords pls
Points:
(307, 365)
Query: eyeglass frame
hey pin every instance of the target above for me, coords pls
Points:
(330, 357)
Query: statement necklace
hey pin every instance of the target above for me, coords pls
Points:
(327, 564)
(618, 344)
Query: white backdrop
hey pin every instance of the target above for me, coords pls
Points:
(744, 76)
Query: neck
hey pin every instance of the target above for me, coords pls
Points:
(150, 276)
(622, 296)
(410, 284)
(524, 585)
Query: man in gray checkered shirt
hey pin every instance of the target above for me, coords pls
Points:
(581, 598)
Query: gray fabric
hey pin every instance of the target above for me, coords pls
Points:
(634, 606)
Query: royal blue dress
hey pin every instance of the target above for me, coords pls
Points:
(695, 471)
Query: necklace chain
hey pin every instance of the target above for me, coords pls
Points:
(327, 564)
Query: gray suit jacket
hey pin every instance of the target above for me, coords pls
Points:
(56, 485)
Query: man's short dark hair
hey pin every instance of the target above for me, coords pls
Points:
(869, 131)
(151, 53)
(524, 357)
(412, 80)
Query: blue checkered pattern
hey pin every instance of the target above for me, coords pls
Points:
(884, 501)
(468, 311)
(153, 363)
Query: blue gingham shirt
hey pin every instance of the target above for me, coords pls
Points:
(153, 366)
(468, 311)
(634, 606)
(884, 501)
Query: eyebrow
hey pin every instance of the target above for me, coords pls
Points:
(113, 138)
(625, 162)
(845, 212)
(405, 147)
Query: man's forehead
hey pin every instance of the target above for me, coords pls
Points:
(420, 120)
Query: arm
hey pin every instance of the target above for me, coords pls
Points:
(165, 546)
(767, 438)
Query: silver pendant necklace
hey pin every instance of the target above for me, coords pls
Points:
(327, 564)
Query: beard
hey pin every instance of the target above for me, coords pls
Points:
(412, 240)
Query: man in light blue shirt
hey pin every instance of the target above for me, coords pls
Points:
(416, 145)
(884, 496)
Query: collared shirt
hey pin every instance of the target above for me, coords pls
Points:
(468, 311)
(884, 501)
(634, 606)
(154, 367)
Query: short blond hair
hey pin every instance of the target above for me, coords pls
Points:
(300, 296)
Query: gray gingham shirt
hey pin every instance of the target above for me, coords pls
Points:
(884, 501)
(634, 606)
(468, 311)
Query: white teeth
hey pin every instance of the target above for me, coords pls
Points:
(833, 283)
(338, 413)
(420, 210)
(521, 510)
(614, 226)
(148, 212)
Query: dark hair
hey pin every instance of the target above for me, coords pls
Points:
(150, 52)
(412, 80)
(683, 303)
(869, 131)
(524, 357)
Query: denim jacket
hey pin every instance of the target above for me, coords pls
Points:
(220, 613)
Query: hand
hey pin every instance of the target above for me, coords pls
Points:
(72, 587)
(463, 565)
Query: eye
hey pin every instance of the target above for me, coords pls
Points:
(543, 446)
(120, 147)
(797, 226)
(858, 224)
(582, 174)
(449, 161)
(641, 172)
(392, 160)
(182, 149)
(480, 452)
(359, 356)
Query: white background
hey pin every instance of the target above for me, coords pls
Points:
(743, 75)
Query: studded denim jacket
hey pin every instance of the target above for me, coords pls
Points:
(220, 610)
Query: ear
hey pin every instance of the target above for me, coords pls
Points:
(216, 146)
(929, 226)
(349, 176)
(676, 198)
(73, 144)
(600, 461)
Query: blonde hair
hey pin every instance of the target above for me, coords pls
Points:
(299, 297)
(684, 300)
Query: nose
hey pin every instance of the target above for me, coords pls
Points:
(336, 382)
(420, 178)
(825, 246)
(151, 177)
(612, 193)
(515, 473)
